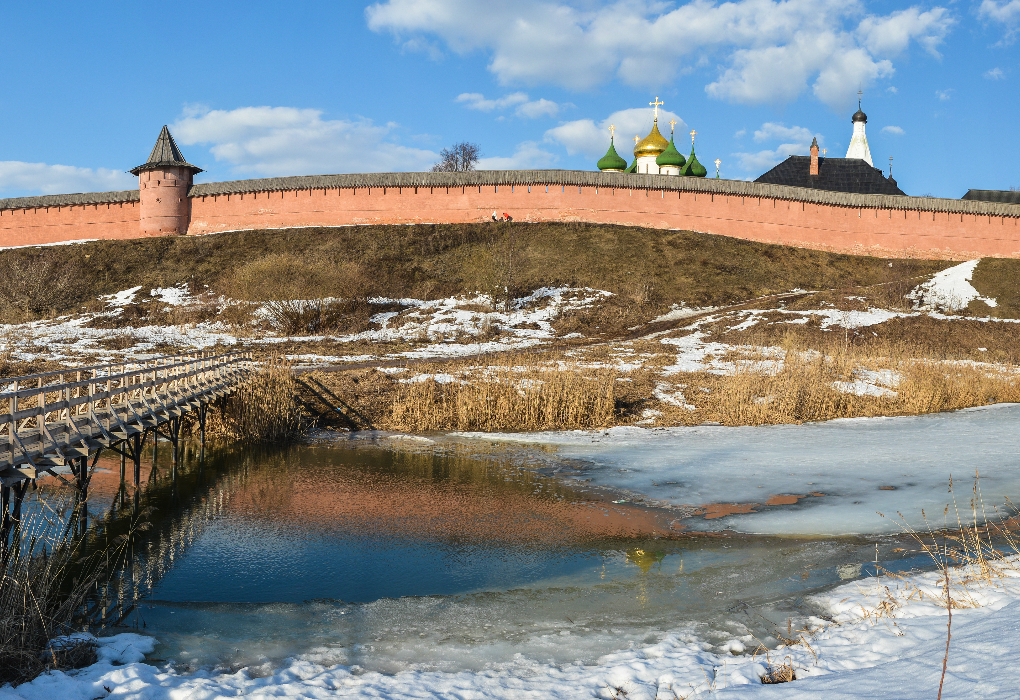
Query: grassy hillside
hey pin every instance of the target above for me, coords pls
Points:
(647, 269)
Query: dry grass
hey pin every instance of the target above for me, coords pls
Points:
(589, 388)
(263, 410)
(517, 394)
(46, 579)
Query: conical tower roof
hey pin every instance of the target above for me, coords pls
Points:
(670, 156)
(632, 168)
(612, 160)
(165, 153)
(693, 167)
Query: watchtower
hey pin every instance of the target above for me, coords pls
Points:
(163, 183)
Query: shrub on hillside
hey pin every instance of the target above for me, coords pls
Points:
(34, 284)
(303, 296)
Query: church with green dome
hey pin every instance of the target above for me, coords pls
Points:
(654, 155)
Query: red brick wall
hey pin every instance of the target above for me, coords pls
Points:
(38, 225)
(880, 232)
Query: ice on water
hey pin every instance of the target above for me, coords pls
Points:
(863, 466)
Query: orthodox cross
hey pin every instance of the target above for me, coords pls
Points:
(656, 105)
(890, 166)
(859, 93)
(672, 125)
(693, 134)
(636, 139)
(717, 164)
(824, 151)
(612, 130)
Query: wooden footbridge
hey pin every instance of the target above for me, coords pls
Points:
(58, 423)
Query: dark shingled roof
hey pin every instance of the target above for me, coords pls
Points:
(165, 153)
(1007, 197)
(548, 178)
(67, 200)
(834, 175)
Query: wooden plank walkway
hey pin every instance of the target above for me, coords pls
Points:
(58, 419)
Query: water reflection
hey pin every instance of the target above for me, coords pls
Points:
(393, 559)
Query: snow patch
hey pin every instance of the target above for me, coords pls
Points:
(949, 290)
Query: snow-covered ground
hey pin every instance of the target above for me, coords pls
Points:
(873, 638)
(949, 290)
(449, 327)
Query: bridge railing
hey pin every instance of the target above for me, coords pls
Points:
(43, 413)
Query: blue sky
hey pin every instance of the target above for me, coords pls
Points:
(259, 89)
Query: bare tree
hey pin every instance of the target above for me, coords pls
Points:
(459, 158)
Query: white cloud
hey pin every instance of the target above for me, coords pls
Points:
(271, 141)
(1005, 13)
(538, 108)
(891, 34)
(995, 74)
(1000, 11)
(944, 94)
(528, 155)
(770, 131)
(60, 179)
(476, 100)
(525, 107)
(892, 89)
(796, 140)
(766, 50)
(740, 134)
(894, 130)
(584, 136)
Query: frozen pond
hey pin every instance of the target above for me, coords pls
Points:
(845, 471)
(477, 553)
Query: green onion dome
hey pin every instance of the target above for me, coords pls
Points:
(612, 160)
(670, 156)
(632, 168)
(693, 167)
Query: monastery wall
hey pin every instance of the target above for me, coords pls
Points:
(46, 222)
(888, 226)
(884, 232)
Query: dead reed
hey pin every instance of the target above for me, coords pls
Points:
(46, 578)
(263, 410)
(771, 385)
(518, 394)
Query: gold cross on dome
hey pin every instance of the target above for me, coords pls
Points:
(693, 134)
(717, 163)
(656, 105)
(672, 125)
(636, 139)
(824, 151)
(612, 130)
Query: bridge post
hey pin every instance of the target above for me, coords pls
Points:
(12, 514)
(122, 487)
(5, 502)
(136, 454)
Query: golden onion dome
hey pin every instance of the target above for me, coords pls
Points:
(651, 145)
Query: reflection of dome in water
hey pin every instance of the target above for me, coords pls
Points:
(645, 560)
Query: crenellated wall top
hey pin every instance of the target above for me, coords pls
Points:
(572, 178)
(585, 178)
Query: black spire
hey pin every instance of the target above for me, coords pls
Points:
(165, 153)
